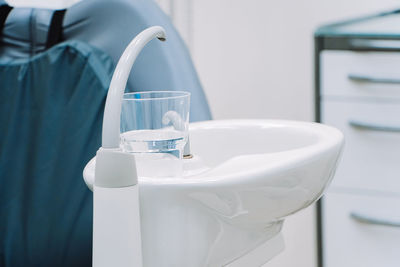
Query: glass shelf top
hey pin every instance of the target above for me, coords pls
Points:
(386, 25)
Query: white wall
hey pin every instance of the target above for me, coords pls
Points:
(254, 57)
(255, 60)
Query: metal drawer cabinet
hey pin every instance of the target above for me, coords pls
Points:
(360, 74)
(371, 158)
(357, 89)
(361, 231)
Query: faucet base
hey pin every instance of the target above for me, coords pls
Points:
(116, 227)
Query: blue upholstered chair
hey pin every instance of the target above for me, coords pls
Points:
(55, 68)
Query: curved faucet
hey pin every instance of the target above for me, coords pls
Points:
(116, 209)
(112, 110)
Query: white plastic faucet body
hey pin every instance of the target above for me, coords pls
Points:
(112, 111)
(116, 214)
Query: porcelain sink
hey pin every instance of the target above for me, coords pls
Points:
(254, 174)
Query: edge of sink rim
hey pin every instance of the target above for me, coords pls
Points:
(307, 152)
(331, 135)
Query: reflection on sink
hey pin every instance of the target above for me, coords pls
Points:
(256, 172)
(218, 141)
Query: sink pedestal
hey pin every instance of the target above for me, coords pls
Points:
(258, 172)
(262, 254)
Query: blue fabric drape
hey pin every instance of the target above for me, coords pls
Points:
(51, 112)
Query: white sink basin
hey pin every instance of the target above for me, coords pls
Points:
(259, 172)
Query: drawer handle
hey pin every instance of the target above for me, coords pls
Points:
(369, 79)
(368, 44)
(373, 127)
(369, 220)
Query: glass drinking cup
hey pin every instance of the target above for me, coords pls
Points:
(154, 126)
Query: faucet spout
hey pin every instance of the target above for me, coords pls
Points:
(112, 110)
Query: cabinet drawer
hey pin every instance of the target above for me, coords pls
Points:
(360, 74)
(371, 156)
(356, 231)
